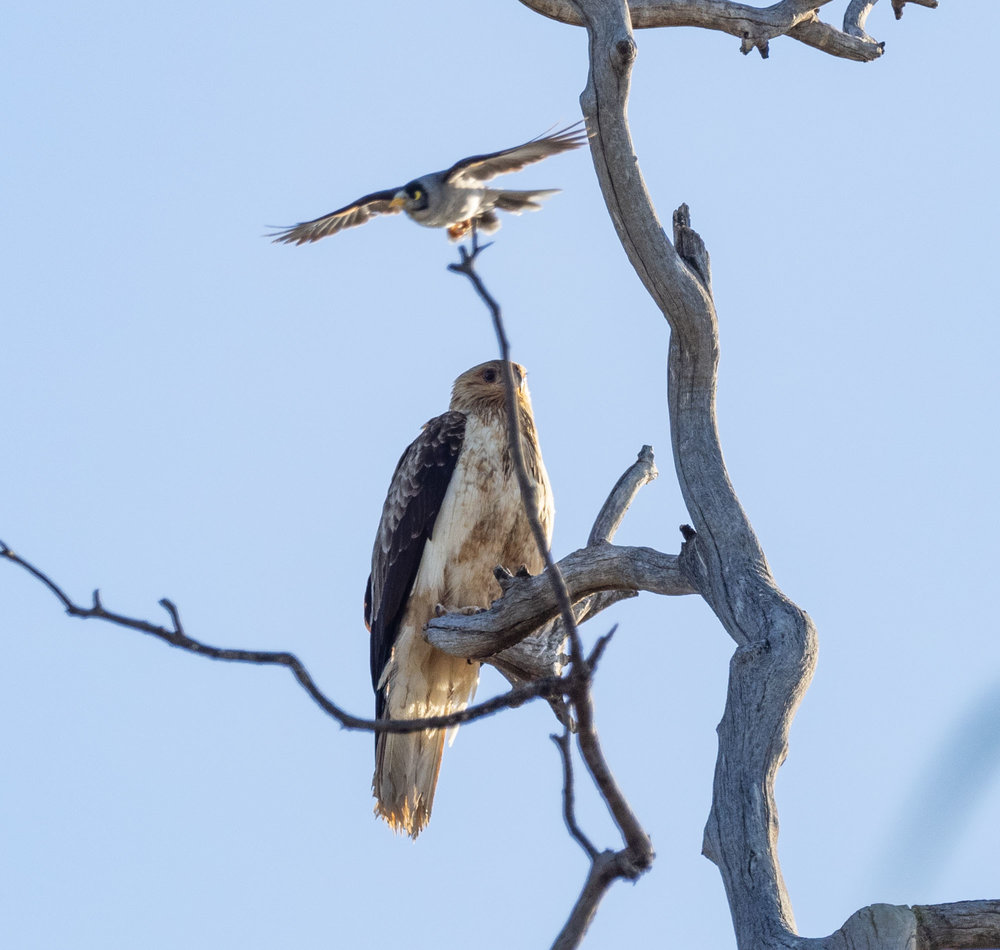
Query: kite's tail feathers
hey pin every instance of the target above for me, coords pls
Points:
(406, 774)
(422, 682)
(518, 201)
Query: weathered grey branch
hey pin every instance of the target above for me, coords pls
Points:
(528, 601)
(776, 641)
(966, 925)
(754, 26)
(609, 519)
(541, 654)
(518, 634)
(857, 13)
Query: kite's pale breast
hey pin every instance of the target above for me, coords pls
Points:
(481, 523)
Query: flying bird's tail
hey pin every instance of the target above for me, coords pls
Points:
(518, 201)
(407, 763)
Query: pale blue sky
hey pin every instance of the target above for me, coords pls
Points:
(193, 412)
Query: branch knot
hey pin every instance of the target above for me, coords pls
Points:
(623, 54)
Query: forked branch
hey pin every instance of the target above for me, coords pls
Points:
(637, 855)
(176, 636)
(754, 26)
(721, 556)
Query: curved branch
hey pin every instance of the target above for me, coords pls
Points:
(637, 855)
(723, 559)
(857, 13)
(522, 633)
(467, 267)
(528, 602)
(754, 26)
(613, 511)
(776, 641)
(177, 637)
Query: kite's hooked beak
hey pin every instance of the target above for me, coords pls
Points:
(398, 201)
(520, 378)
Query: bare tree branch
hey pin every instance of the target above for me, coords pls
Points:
(754, 26)
(966, 925)
(640, 473)
(529, 601)
(776, 641)
(541, 652)
(569, 807)
(605, 866)
(637, 855)
(858, 10)
(176, 636)
(599, 569)
(467, 267)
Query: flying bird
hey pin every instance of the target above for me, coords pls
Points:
(452, 514)
(456, 198)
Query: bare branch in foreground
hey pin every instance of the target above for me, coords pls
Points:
(637, 855)
(176, 636)
(467, 267)
(569, 798)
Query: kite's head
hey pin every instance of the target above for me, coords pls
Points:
(482, 386)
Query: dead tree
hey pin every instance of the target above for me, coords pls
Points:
(720, 558)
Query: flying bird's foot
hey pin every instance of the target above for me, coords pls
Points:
(458, 231)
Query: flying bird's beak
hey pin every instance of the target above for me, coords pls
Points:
(398, 201)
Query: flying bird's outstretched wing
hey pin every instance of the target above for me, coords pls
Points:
(357, 212)
(411, 507)
(485, 167)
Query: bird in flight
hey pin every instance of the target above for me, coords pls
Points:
(452, 514)
(456, 198)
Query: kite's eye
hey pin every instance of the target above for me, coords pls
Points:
(490, 375)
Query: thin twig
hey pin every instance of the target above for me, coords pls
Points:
(637, 855)
(175, 636)
(569, 809)
(466, 266)
(599, 647)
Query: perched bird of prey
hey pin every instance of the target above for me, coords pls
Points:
(452, 514)
(456, 198)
